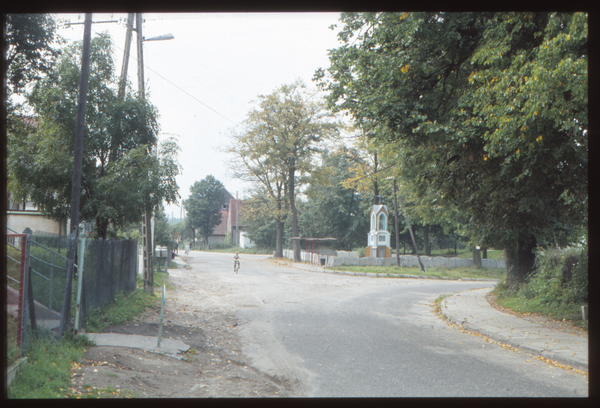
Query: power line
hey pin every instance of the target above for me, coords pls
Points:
(182, 90)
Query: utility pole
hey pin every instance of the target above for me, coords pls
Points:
(396, 224)
(147, 247)
(237, 229)
(77, 163)
(127, 49)
(146, 224)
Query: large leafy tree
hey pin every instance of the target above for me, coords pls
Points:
(29, 53)
(264, 227)
(489, 110)
(120, 179)
(279, 139)
(204, 205)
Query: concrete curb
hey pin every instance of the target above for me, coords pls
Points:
(14, 370)
(169, 347)
(522, 346)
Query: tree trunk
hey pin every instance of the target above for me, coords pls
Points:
(520, 260)
(280, 225)
(426, 239)
(279, 243)
(476, 256)
(295, 231)
(484, 252)
(102, 227)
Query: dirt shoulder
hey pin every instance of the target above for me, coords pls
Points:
(214, 367)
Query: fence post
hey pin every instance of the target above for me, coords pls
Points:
(80, 259)
(30, 302)
(24, 285)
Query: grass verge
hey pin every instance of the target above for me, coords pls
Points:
(125, 308)
(47, 373)
(233, 250)
(50, 363)
(569, 313)
(434, 272)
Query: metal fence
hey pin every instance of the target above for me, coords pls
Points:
(110, 267)
(15, 276)
(36, 278)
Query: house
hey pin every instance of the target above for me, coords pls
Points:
(236, 225)
(21, 215)
(231, 229)
(219, 234)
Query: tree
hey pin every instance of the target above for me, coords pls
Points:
(163, 232)
(29, 52)
(489, 110)
(120, 180)
(279, 138)
(263, 227)
(332, 210)
(204, 205)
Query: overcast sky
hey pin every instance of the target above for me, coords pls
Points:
(204, 81)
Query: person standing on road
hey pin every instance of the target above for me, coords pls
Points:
(177, 247)
(188, 248)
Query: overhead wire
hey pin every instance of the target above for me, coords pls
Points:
(176, 86)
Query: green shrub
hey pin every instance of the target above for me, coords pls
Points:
(362, 252)
(561, 277)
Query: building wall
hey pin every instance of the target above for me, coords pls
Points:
(19, 220)
(216, 239)
(245, 242)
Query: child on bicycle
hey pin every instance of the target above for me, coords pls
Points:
(236, 261)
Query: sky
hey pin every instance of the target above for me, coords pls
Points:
(205, 80)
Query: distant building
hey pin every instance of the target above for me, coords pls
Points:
(232, 226)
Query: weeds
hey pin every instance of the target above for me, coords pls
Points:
(125, 308)
(434, 272)
(557, 289)
(47, 373)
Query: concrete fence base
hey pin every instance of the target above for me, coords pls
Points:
(346, 258)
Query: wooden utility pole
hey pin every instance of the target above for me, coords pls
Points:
(126, 52)
(65, 315)
(237, 230)
(396, 224)
(147, 247)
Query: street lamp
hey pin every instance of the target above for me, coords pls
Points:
(160, 38)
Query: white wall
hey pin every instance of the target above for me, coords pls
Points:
(18, 221)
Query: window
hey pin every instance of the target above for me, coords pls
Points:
(381, 222)
(373, 222)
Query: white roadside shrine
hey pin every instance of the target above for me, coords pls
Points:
(379, 238)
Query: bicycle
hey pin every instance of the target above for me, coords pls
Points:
(236, 266)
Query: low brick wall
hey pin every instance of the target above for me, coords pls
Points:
(405, 260)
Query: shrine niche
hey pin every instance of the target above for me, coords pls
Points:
(379, 238)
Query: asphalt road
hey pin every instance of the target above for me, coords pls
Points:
(346, 336)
